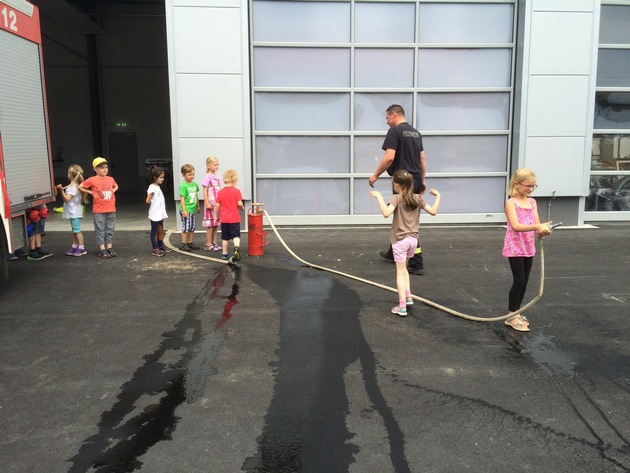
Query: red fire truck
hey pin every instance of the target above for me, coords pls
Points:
(26, 171)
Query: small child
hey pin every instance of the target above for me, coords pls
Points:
(103, 190)
(519, 245)
(73, 208)
(229, 201)
(35, 219)
(157, 211)
(188, 207)
(405, 205)
(211, 185)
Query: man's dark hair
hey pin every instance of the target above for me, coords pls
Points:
(397, 109)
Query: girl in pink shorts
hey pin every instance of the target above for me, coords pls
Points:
(405, 205)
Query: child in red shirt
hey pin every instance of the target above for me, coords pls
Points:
(229, 201)
(103, 190)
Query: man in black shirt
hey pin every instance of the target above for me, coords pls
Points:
(403, 150)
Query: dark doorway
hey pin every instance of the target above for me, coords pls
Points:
(123, 162)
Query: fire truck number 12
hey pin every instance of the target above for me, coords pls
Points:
(10, 19)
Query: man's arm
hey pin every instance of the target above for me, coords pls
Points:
(423, 171)
(386, 162)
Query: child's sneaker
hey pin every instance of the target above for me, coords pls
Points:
(402, 311)
(157, 252)
(237, 254)
(104, 254)
(409, 301)
(165, 249)
(184, 247)
(112, 253)
(44, 253)
(192, 246)
(225, 257)
(79, 252)
(35, 256)
(70, 251)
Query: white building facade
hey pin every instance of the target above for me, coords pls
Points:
(292, 94)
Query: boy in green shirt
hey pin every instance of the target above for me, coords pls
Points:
(188, 207)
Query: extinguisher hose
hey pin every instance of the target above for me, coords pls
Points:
(418, 298)
(382, 286)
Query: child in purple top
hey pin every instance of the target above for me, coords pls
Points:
(211, 185)
(523, 225)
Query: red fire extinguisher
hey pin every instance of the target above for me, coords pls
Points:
(256, 237)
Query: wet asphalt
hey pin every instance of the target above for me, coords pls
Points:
(178, 364)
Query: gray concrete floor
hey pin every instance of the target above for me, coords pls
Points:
(180, 364)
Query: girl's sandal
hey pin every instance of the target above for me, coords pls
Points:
(517, 324)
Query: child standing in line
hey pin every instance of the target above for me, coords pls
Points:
(188, 207)
(211, 185)
(73, 208)
(229, 201)
(103, 190)
(405, 205)
(157, 211)
(35, 219)
(523, 225)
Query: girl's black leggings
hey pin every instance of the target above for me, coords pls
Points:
(521, 266)
(155, 227)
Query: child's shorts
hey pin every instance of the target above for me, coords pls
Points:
(189, 223)
(405, 248)
(229, 231)
(35, 227)
(75, 223)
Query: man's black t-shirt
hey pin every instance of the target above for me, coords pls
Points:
(407, 142)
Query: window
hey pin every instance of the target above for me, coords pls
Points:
(323, 74)
(609, 185)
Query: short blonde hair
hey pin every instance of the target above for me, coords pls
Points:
(211, 160)
(230, 176)
(520, 176)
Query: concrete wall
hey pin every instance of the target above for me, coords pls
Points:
(208, 58)
(557, 91)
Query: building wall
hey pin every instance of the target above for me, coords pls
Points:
(557, 77)
(209, 86)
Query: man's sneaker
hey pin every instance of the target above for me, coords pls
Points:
(35, 256)
(225, 257)
(237, 254)
(79, 252)
(104, 254)
(70, 251)
(112, 253)
(157, 252)
(402, 311)
(387, 256)
(409, 301)
(44, 253)
(165, 249)
(184, 247)
(192, 246)
(416, 271)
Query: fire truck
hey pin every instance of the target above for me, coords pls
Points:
(26, 169)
